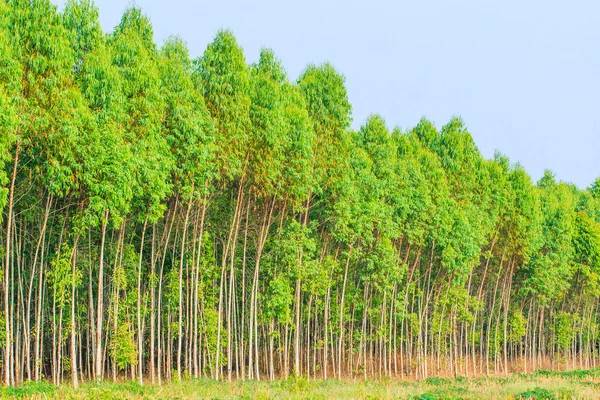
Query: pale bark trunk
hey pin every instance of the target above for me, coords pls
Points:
(8, 344)
(100, 312)
(140, 332)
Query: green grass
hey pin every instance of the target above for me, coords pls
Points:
(540, 385)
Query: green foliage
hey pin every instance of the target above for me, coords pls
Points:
(106, 171)
(238, 209)
(29, 390)
(122, 346)
(556, 386)
(566, 326)
(223, 78)
(538, 393)
(136, 59)
(186, 122)
(10, 69)
(51, 107)
(517, 327)
(551, 267)
(279, 300)
(61, 277)
(586, 246)
(329, 111)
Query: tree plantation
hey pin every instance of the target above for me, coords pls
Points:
(166, 218)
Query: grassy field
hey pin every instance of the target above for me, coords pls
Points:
(541, 385)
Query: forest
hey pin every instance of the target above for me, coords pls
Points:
(166, 218)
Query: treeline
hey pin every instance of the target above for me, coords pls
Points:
(165, 218)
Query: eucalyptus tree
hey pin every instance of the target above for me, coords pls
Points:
(108, 168)
(52, 113)
(137, 60)
(550, 269)
(372, 233)
(224, 80)
(163, 216)
(329, 112)
(9, 122)
(95, 77)
(279, 172)
(265, 162)
(517, 240)
(423, 209)
(190, 134)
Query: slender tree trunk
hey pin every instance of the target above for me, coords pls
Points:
(341, 339)
(253, 370)
(73, 326)
(152, 303)
(100, 312)
(161, 344)
(140, 332)
(297, 359)
(8, 339)
(181, 261)
(232, 240)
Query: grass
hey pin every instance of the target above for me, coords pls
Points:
(538, 386)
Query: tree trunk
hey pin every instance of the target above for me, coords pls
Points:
(140, 332)
(7, 325)
(73, 328)
(100, 312)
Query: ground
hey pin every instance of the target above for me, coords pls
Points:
(541, 385)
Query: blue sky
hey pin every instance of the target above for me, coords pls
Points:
(523, 74)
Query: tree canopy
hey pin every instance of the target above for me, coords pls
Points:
(166, 217)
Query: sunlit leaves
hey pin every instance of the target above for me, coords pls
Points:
(186, 122)
(10, 72)
(223, 78)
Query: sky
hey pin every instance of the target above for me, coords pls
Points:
(524, 75)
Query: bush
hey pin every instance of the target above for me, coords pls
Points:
(28, 389)
(538, 394)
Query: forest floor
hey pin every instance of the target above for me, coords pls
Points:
(540, 385)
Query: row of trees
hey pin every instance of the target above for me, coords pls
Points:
(165, 218)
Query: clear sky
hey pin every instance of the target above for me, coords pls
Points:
(523, 74)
